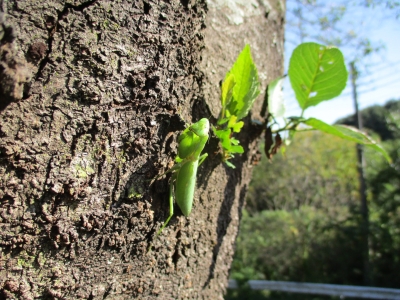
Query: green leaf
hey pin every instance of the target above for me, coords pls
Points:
(276, 105)
(224, 137)
(222, 121)
(229, 164)
(317, 73)
(237, 149)
(238, 126)
(234, 141)
(246, 89)
(348, 133)
(235, 126)
(232, 121)
(227, 90)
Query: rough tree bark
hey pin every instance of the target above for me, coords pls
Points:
(89, 94)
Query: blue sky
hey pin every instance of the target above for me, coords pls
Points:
(379, 79)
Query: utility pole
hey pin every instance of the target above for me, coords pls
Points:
(360, 168)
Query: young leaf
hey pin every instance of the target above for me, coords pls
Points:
(227, 90)
(224, 137)
(348, 133)
(234, 125)
(238, 126)
(317, 73)
(245, 91)
(222, 121)
(232, 121)
(230, 165)
(276, 105)
(237, 149)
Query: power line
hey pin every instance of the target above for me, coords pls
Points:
(379, 79)
(371, 102)
(373, 88)
(390, 65)
(379, 87)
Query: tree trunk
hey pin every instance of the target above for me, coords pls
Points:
(92, 97)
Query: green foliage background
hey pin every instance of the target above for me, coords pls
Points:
(302, 217)
(318, 169)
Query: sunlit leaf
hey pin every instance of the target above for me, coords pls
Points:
(227, 90)
(237, 149)
(245, 91)
(238, 126)
(348, 133)
(276, 105)
(224, 137)
(232, 121)
(222, 121)
(317, 73)
(229, 164)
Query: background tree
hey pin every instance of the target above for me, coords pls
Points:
(384, 195)
(378, 119)
(297, 180)
(300, 226)
(90, 92)
(302, 214)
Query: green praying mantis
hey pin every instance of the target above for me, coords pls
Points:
(191, 143)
